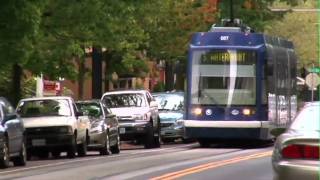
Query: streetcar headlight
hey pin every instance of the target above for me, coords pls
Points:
(246, 112)
(197, 111)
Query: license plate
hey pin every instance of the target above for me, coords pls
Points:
(38, 142)
(122, 130)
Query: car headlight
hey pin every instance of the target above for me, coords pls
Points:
(65, 129)
(139, 117)
(97, 124)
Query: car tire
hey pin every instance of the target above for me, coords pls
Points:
(21, 160)
(116, 148)
(71, 153)
(5, 158)
(106, 148)
(150, 141)
(82, 148)
(157, 138)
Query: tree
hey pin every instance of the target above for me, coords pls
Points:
(302, 29)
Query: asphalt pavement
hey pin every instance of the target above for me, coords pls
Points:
(171, 161)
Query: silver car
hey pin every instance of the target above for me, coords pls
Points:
(296, 151)
(103, 134)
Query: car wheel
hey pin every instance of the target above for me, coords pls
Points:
(82, 148)
(56, 154)
(5, 158)
(21, 160)
(157, 138)
(106, 149)
(116, 148)
(149, 138)
(71, 153)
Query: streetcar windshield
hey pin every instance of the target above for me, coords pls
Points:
(223, 77)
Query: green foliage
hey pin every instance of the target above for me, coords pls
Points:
(254, 13)
(301, 28)
(159, 87)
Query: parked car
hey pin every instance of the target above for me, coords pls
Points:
(171, 111)
(103, 134)
(53, 124)
(296, 151)
(12, 136)
(138, 116)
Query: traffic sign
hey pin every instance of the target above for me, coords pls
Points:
(314, 70)
(312, 80)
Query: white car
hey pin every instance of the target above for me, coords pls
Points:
(53, 124)
(138, 116)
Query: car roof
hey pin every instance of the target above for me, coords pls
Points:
(168, 93)
(314, 103)
(125, 92)
(89, 101)
(46, 98)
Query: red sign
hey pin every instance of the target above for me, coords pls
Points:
(51, 88)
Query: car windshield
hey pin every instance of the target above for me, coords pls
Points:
(173, 102)
(307, 120)
(124, 100)
(91, 109)
(48, 107)
(223, 77)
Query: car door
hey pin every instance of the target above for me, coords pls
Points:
(153, 109)
(10, 123)
(112, 123)
(81, 123)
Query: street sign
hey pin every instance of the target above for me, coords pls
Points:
(314, 70)
(312, 80)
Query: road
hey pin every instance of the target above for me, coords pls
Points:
(173, 161)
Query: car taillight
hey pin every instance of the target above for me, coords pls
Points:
(301, 152)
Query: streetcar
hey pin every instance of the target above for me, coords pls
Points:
(240, 85)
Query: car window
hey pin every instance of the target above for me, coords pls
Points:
(124, 100)
(172, 102)
(7, 108)
(47, 107)
(92, 109)
(149, 98)
(307, 119)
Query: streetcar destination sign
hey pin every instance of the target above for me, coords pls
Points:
(225, 56)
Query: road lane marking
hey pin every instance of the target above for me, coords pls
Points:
(89, 159)
(203, 167)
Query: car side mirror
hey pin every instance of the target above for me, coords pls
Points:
(277, 131)
(153, 104)
(8, 117)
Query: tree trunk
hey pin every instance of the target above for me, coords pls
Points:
(96, 73)
(81, 75)
(169, 81)
(16, 83)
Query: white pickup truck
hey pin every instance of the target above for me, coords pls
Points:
(53, 124)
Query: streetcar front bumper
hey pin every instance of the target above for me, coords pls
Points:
(227, 129)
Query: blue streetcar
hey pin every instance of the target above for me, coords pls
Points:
(239, 85)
